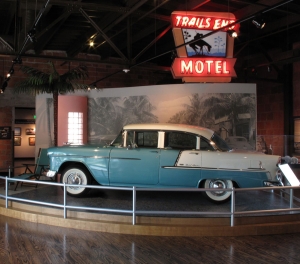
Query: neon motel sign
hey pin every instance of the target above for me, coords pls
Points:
(205, 59)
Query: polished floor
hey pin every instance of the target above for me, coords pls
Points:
(26, 242)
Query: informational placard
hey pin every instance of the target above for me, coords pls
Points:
(289, 174)
(5, 132)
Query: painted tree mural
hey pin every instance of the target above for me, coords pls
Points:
(230, 105)
(109, 114)
(207, 109)
(104, 115)
(138, 109)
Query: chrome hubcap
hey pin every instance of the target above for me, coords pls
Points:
(218, 184)
(74, 178)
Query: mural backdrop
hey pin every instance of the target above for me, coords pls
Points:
(228, 109)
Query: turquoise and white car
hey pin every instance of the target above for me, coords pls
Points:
(164, 155)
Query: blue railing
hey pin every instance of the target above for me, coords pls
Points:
(232, 213)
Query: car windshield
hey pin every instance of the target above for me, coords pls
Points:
(118, 141)
(220, 143)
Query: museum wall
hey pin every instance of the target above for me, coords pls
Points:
(6, 139)
(269, 95)
(296, 101)
(24, 133)
(296, 85)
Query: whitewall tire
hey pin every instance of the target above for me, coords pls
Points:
(218, 195)
(76, 175)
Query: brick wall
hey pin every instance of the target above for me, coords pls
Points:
(270, 116)
(138, 76)
(6, 145)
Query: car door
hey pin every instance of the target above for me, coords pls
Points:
(138, 163)
(180, 146)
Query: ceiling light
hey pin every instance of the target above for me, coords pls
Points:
(126, 70)
(232, 33)
(91, 43)
(4, 85)
(259, 22)
(10, 73)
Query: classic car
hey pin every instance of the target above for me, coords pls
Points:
(236, 142)
(162, 156)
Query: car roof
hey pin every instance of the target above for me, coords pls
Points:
(172, 127)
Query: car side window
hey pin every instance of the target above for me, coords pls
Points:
(130, 139)
(146, 139)
(179, 140)
(205, 145)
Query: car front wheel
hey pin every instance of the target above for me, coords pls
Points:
(76, 175)
(218, 195)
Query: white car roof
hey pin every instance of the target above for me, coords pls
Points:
(172, 127)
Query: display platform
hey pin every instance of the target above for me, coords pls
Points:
(166, 224)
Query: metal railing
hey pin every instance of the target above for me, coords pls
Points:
(232, 213)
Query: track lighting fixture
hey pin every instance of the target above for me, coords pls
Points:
(126, 70)
(17, 60)
(4, 85)
(259, 22)
(10, 73)
(7, 78)
(232, 33)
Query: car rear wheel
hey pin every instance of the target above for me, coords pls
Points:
(76, 175)
(218, 195)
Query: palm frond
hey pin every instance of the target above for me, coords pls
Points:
(51, 82)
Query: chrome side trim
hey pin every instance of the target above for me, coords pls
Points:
(206, 168)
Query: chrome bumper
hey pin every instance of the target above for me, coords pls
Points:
(272, 183)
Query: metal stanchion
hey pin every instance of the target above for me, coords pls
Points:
(291, 198)
(65, 201)
(133, 205)
(232, 206)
